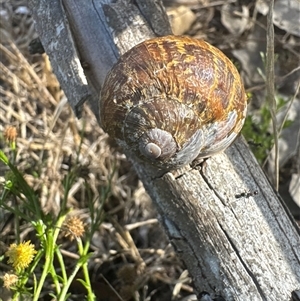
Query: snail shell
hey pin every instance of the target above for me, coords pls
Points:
(172, 99)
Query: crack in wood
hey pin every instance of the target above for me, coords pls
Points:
(244, 264)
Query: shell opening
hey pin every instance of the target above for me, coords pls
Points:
(152, 150)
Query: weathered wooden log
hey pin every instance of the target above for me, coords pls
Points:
(225, 220)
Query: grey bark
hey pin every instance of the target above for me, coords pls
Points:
(55, 34)
(225, 220)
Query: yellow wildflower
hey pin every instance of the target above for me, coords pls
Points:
(10, 134)
(74, 227)
(9, 280)
(21, 255)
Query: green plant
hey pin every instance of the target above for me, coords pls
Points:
(257, 130)
(32, 268)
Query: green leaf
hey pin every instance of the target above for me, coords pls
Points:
(83, 259)
(3, 158)
(83, 283)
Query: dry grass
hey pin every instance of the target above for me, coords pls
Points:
(131, 253)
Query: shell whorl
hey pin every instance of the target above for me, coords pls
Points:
(171, 99)
(157, 144)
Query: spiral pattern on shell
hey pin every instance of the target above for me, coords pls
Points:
(172, 99)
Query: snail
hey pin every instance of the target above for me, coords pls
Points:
(173, 99)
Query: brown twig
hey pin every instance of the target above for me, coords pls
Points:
(270, 79)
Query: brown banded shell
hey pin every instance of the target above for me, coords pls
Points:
(172, 99)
